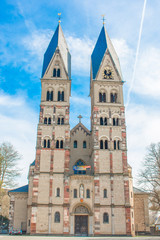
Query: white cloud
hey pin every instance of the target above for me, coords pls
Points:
(126, 57)
(36, 43)
(18, 126)
(81, 50)
(147, 80)
(142, 130)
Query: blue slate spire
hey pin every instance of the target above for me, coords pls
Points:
(103, 43)
(57, 41)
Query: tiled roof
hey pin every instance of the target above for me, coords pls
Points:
(136, 190)
(20, 189)
(57, 41)
(103, 43)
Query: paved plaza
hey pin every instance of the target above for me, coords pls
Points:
(6, 237)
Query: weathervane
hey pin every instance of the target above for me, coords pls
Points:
(80, 117)
(103, 18)
(59, 17)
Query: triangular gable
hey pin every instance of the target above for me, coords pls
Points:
(102, 45)
(80, 125)
(57, 42)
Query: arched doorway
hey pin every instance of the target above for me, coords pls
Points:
(81, 220)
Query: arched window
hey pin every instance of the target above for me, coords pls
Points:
(105, 218)
(100, 97)
(57, 144)
(104, 97)
(105, 193)
(57, 217)
(47, 96)
(44, 143)
(58, 72)
(62, 96)
(48, 144)
(62, 121)
(101, 144)
(51, 96)
(84, 144)
(58, 192)
(105, 121)
(49, 120)
(45, 120)
(117, 122)
(87, 193)
(54, 72)
(58, 121)
(101, 121)
(59, 96)
(61, 144)
(75, 144)
(113, 97)
(114, 122)
(79, 163)
(115, 144)
(118, 145)
(75, 193)
(106, 144)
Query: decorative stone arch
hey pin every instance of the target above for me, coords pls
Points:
(47, 137)
(50, 88)
(117, 138)
(104, 137)
(80, 160)
(115, 115)
(104, 114)
(81, 209)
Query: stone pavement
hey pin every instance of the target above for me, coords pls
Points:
(7, 237)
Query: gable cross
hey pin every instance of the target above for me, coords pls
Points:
(103, 19)
(80, 117)
(59, 17)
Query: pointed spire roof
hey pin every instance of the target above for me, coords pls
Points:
(102, 45)
(57, 42)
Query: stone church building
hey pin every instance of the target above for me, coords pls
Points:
(80, 182)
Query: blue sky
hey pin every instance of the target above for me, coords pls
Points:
(26, 28)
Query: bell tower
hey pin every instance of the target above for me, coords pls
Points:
(47, 204)
(112, 201)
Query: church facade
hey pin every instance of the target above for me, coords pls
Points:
(80, 182)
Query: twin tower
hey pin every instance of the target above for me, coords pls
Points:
(80, 182)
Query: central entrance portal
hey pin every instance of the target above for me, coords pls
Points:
(81, 225)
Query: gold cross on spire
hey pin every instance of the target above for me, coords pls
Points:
(80, 117)
(103, 18)
(59, 17)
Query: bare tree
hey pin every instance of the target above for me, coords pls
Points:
(149, 177)
(9, 171)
